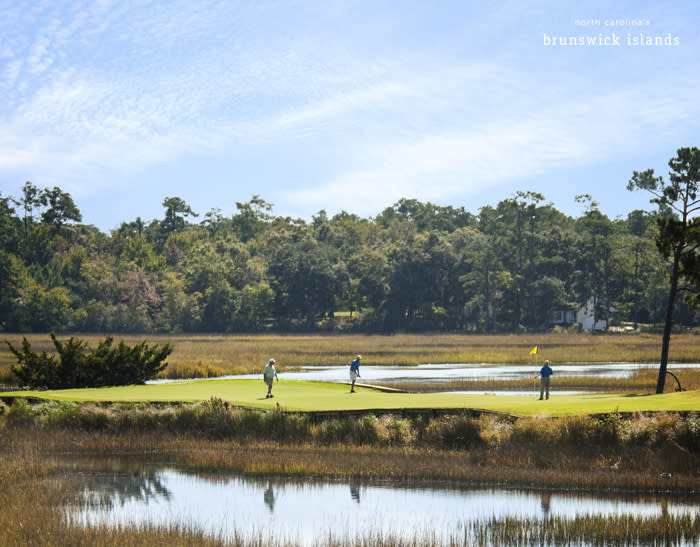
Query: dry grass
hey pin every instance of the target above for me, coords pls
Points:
(641, 381)
(212, 355)
(628, 453)
(33, 514)
(508, 454)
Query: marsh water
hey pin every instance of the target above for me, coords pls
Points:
(437, 374)
(306, 511)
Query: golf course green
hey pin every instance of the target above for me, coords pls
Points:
(311, 396)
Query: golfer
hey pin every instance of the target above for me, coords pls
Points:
(269, 374)
(354, 372)
(545, 377)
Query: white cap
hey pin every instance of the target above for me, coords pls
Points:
(271, 361)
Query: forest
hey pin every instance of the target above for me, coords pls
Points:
(413, 267)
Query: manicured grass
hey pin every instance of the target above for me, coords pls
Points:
(310, 396)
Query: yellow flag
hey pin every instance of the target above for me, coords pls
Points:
(533, 350)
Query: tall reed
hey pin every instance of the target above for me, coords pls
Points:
(215, 355)
(633, 452)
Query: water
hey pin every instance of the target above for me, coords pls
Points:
(443, 373)
(305, 511)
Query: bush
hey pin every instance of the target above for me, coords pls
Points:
(609, 429)
(687, 432)
(395, 431)
(536, 430)
(20, 414)
(76, 365)
(576, 430)
(453, 432)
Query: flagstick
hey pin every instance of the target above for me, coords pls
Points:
(534, 350)
(534, 380)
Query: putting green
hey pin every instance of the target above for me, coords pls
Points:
(323, 396)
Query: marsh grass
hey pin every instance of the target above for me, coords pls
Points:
(609, 451)
(216, 355)
(643, 380)
(34, 494)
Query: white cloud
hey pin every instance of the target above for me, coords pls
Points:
(464, 161)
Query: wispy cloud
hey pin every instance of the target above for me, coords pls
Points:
(454, 165)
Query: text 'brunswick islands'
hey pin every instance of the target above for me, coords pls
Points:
(612, 40)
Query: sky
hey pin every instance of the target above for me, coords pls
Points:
(343, 105)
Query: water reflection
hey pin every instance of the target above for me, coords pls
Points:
(110, 488)
(305, 510)
(269, 497)
(355, 492)
(545, 500)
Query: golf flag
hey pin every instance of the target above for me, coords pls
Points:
(533, 351)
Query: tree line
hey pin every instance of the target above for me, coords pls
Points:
(414, 266)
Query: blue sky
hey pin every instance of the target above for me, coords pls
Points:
(341, 105)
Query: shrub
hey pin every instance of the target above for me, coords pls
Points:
(279, 426)
(20, 414)
(363, 430)
(332, 431)
(216, 418)
(609, 429)
(536, 430)
(453, 432)
(576, 430)
(687, 432)
(494, 430)
(96, 418)
(63, 413)
(395, 431)
(76, 365)
(358, 431)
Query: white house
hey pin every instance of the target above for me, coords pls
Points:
(585, 316)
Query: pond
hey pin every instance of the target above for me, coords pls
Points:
(302, 511)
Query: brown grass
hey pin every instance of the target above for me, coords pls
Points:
(213, 355)
(640, 381)
(531, 452)
(626, 453)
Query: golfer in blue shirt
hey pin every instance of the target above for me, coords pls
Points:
(354, 372)
(545, 377)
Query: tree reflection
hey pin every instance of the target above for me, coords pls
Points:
(108, 489)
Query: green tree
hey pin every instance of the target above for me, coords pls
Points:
(307, 278)
(595, 254)
(176, 210)
(256, 300)
(30, 200)
(252, 218)
(514, 229)
(678, 237)
(60, 208)
(485, 282)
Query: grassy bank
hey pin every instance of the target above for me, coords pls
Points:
(211, 355)
(626, 452)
